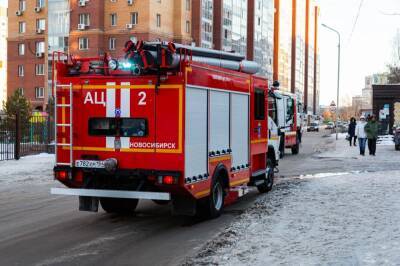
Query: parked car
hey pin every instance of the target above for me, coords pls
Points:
(330, 125)
(314, 126)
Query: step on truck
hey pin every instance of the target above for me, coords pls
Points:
(168, 123)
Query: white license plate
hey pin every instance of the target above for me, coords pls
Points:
(89, 164)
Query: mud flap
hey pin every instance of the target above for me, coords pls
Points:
(89, 204)
(184, 206)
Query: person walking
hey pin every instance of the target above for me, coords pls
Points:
(371, 129)
(352, 131)
(361, 135)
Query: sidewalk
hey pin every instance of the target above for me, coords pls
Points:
(385, 151)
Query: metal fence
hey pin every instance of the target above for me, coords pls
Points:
(21, 138)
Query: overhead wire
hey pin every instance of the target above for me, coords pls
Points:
(356, 20)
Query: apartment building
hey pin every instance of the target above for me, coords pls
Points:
(83, 28)
(105, 26)
(3, 55)
(280, 35)
(26, 47)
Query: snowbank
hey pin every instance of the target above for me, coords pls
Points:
(29, 169)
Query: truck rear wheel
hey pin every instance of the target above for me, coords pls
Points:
(212, 206)
(269, 179)
(119, 206)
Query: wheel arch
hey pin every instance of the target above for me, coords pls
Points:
(272, 155)
(222, 172)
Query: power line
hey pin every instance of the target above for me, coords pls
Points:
(356, 20)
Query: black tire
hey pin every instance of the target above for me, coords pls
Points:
(212, 206)
(119, 206)
(397, 147)
(296, 148)
(269, 179)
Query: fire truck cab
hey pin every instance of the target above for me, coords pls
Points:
(284, 125)
(168, 123)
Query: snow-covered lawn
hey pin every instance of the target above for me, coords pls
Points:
(350, 219)
(30, 169)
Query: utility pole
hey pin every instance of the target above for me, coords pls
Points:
(338, 79)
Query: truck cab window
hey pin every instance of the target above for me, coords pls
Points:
(259, 104)
(289, 109)
(272, 111)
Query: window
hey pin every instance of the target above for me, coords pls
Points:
(158, 20)
(22, 5)
(84, 19)
(83, 43)
(39, 47)
(21, 49)
(187, 26)
(113, 18)
(188, 5)
(39, 69)
(272, 110)
(40, 3)
(22, 27)
(112, 43)
(134, 18)
(125, 127)
(259, 104)
(41, 24)
(21, 91)
(39, 92)
(20, 70)
(289, 109)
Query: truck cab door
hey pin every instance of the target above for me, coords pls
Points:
(273, 132)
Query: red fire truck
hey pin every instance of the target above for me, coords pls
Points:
(169, 123)
(285, 120)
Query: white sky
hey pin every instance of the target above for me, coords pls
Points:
(367, 52)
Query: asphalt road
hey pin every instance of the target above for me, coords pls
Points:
(39, 229)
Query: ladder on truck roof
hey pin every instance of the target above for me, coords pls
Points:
(63, 124)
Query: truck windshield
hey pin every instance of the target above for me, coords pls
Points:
(124, 127)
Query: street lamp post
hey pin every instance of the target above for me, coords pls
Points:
(338, 77)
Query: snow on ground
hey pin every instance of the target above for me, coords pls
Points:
(348, 219)
(342, 218)
(30, 169)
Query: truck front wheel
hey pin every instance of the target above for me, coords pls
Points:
(119, 206)
(269, 179)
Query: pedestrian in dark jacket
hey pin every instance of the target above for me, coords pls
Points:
(352, 131)
(371, 129)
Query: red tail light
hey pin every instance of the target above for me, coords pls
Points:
(168, 180)
(62, 175)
